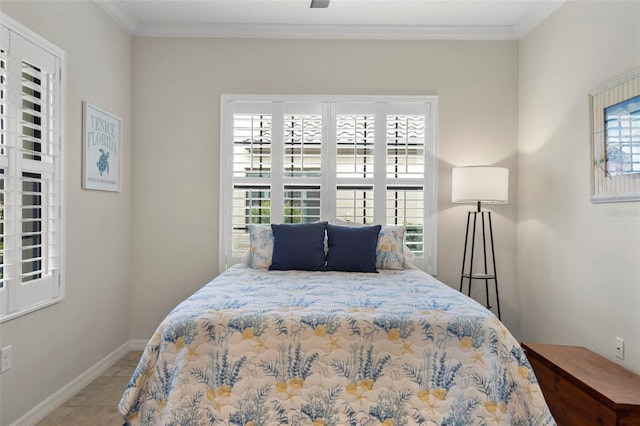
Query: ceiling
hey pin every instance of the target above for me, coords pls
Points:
(343, 19)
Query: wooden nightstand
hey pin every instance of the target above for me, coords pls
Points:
(583, 388)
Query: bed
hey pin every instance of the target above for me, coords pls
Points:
(268, 347)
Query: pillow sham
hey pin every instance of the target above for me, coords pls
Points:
(390, 251)
(260, 246)
(352, 249)
(298, 247)
(408, 258)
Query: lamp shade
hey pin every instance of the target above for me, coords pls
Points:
(480, 183)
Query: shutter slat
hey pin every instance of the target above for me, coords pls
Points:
(405, 146)
(405, 206)
(355, 204)
(249, 206)
(355, 138)
(302, 145)
(252, 145)
(301, 205)
(31, 100)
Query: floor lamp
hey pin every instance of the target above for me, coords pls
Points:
(479, 184)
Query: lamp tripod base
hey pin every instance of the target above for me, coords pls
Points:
(467, 270)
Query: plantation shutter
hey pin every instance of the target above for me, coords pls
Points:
(251, 161)
(355, 138)
(276, 167)
(4, 161)
(301, 159)
(302, 143)
(407, 156)
(31, 174)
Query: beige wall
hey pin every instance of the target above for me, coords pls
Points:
(572, 287)
(578, 262)
(53, 346)
(176, 93)
(168, 209)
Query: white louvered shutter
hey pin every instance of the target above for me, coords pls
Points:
(405, 173)
(299, 159)
(302, 143)
(251, 159)
(31, 175)
(4, 161)
(355, 139)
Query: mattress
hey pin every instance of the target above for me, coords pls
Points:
(257, 347)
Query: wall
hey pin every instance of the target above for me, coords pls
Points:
(53, 346)
(578, 262)
(176, 93)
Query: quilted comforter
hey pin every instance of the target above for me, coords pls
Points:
(256, 347)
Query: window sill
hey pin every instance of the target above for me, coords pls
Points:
(29, 309)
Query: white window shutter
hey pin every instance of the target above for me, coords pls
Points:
(361, 159)
(30, 159)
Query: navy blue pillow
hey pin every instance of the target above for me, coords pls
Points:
(298, 247)
(352, 249)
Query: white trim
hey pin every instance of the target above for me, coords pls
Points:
(617, 198)
(342, 32)
(536, 15)
(137, 345)
(33, 308)
(28, 34)
(431, 210)
(276, 182)
(633, 73)
(226, 191)
(119, 14)
(243, 97)
(47, 406)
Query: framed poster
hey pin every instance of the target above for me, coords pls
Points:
(615, 139)
(101, 159)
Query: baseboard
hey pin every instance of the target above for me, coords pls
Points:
(40, 411)
(137, 345)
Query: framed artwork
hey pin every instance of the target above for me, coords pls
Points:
(615, 139)
(101, 158)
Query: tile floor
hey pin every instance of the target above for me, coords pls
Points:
(96, 404)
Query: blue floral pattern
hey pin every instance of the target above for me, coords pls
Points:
(389, 252)
(257, 347)
(260, 246)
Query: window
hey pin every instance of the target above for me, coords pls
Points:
(301, 159)
(615, 139)
(622, 137)
(31, 167)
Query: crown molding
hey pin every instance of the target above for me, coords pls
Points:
(120, 14)
(354, 32)
(536, 16)
(527, 22)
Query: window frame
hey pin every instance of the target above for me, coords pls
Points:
(15, 292)
(331, 106)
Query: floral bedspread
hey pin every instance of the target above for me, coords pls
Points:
(256, 347)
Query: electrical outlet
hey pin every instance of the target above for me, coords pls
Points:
(619, 348)
(6, 358)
